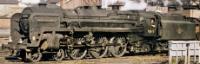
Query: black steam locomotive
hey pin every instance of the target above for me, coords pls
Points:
(90, 30)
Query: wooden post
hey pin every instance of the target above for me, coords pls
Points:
(170, 57)
(177, 59)
(195, 55)
(188, 53)
(185, 61)
(176, 55)
(199, 53)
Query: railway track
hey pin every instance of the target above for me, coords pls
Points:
(140, 58)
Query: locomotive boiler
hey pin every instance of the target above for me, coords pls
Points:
(92, 31)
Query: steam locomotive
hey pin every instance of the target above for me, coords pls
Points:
(92, 31)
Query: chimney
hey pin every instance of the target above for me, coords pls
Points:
(116, 6)
(43, 3)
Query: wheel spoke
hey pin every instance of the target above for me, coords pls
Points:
(77, 53)
(59, 55)
(99, 52)
(34, 56)
(118, 50)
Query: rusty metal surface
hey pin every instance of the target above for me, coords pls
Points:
(8, 10)
(4, 23)
(4, 33)
(4, 28)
